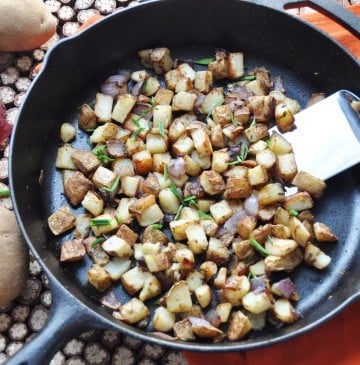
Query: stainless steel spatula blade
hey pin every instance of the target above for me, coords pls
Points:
(326, 140)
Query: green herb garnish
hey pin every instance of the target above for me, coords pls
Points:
(203, 215)
(204, 61)
(293, 212)
(268, 142)
(247, 78)
(251, 276)
(177, 215)
(242, 156)
(161, 129)
(175, 191)
(119, 220)
(233, 121)
(137, 132)
(166, 172)
(97, 241)
(156, 226)
(99, 222)
(4, 192)
(114, 186)
(258, 247)
(253, 123)
(191, 200)
(100, 153)
(153, 101)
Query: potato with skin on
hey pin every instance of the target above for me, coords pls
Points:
(237, 188)
(235, 288)
(87, 118)
(178, 298)
(203, 81)
(123, 107)
(212, 182)
(99, 278)
(14, 258)
(163, 320)
(239, 326)
(104, 132)
(132, 312)
(76, 186)
(61, 221)
(85, 161)
(161, 60)
(299, 202)
(323, 233)
(143, 162)
(310, 183)
(72, 251)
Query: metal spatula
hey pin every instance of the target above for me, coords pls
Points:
(326, 140)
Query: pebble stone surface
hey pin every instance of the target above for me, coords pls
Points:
(25, 316)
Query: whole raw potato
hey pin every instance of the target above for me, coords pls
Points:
(24, 24)
(14, 258)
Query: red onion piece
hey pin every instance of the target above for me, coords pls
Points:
(110, 88)
(258, 284)
(213, 317)
(285, 288)
(163, 336)
(177, 168)
(121, 78)
(230, 225)
(110, 300)
(137, 88)
(251, 205)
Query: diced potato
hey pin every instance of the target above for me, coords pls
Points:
(245, 226)
(85, 161)
(145, 57)
(133, 311)
(178, 228)
(185, 257)
(123, 167)
(106, 228)
(103, 177)
(224, 311)
(266, 158)
(156, 262)
(271, 193)
(151, 288)
(212, 99)
(243, 249)
(256, 302)
(262, 107)
(286, 166)
(61, 221)
(203, 81)
(143, 162)
(122, 212)
(160, 160)
(163, 96)
(140, 75)
(282, 216)
(123, 106)
(151, 215)
(183, 330)
(239, 326)
(256, 132)
(235, 288)
(150, 86)
(217, 251)
(280, 246)
(279, 145)
(196, 238)
(202, 142)
(237, 171)
(183, 146)
(323, 233)
(204, 161)
(212, 182)
(163, 320)
(280, 97)
(220, 279)
(130, 185)
(63, 158)
(315, 257)
(221, 211)
(103, 106)
(178, 298)
(87, 118)
(298, 202)
(307, 182)
(133, 280)
(237, 188)
(284, 117)
(99, 278)
(299, 232)
(116, 267)
(161, 60)
(284, 311)
(104, 132)
(210, 227)
(203, 295)
(280, 231)
(155, 143)
(222, 114)
(162, 114)
(169, 203)
(220, 67)
(93, 203)
(258, 269)
(171, 78)
(67, 132)
(236, 65)
(116, 246)
(184, 84)
(283, 263)
(183, 101)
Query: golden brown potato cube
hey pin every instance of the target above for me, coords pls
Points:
(63, 158)
(123, 106)
(151, 215)
(143, 162)
(150, 86)
(307, 182)
(183, 101)
(123, 167)
(220, 279)
(151, 288)
(279, 145)
(241, 115)
(283, 263)
(280, 231)
(237, 188)
(284, 118)
(266, 158)
(163, 320)
(99, 278)
(220, 160)
(246, 225)
(256, 132)
(87, 118)
(280, 246)
(212, 182)
(103, 177)
(222, 115)
(72, 250)
(111, 226)
(257, 302)
(133, 280)
(183, 146)
(185, 257)
(299, 201)
(203, 81)
(116, 246)
(76, 187)
(282, 216)
(284, 311)
(323, 233)
(93, 203)
(217, 137)
(156, 262)
(104, 132)
(202, 142)
(203, 329)
(315, 257)
(262, 107)
(221, 211)
(151, 185)
(127, 234)
(232, 131)
(219, 68)
(235, 288)
(159, 162)
(213, 99)
(243, 249)
(61, 221)
(85, 161)
(178, 228)
(257, 175)
(286, 166)
(163, 96)
(171, 78)
(145, 57)
(162, 114)
(155, 143)
(138, 206)
(142, 125)
(187, 71)
(270, 194)
(133, 311)
(184, 84)
(130, 185)
(203, 295)
(299, 232)
(178, 298)
(103, 106)
(209, 269)
(210, 227)
(161, 60)
(261, 233)
(196, 238)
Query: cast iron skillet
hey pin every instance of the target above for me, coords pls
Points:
(308, 60)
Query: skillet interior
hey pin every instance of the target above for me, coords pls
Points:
(307, 60)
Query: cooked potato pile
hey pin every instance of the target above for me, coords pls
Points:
(184, 197)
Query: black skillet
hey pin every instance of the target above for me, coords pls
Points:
(308, 60)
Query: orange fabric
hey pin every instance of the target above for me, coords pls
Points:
(335, 342)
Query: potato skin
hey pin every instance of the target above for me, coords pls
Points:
(14, 258)
(19, 32)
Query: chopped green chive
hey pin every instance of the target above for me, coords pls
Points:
(98, 241)
(191, 200)
(5, 192)
(268, 142)
(114, 186)
(100, 153)
(247, 78)
(293, 212)
(156, 226)
(153, 101)
(162, 129)
(175, 191)
(137, 132)
(253, 122)
(233, 120)
(258, 247)
(177, 215)
(119, 220)
(203, 215)
(99, 222)
(205, 61)
(166, 172)
(242, 156)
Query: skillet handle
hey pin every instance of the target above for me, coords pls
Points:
(66, 320)
(330, 8)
